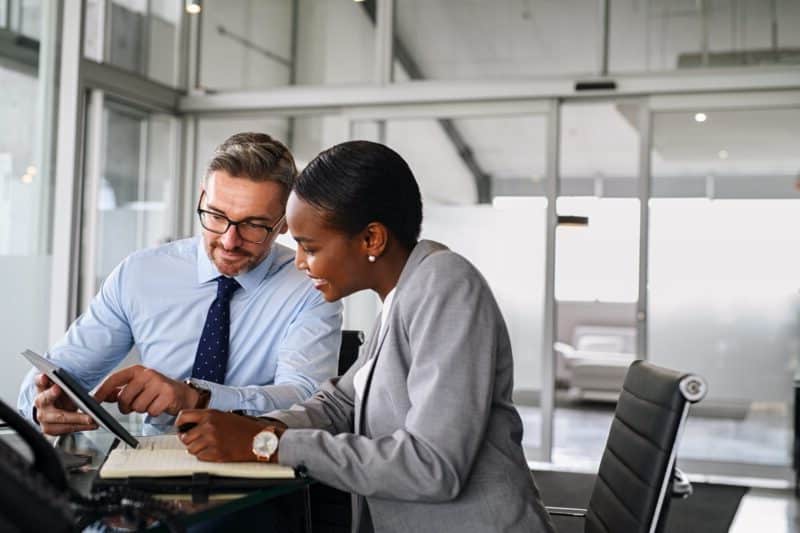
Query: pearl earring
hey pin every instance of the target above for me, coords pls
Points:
(371, 258)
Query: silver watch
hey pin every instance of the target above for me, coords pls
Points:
(265, 444)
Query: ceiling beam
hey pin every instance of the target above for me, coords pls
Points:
(483, 180)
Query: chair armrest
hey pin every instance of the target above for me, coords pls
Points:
(566, 511)
(563, 348)
(681, 486)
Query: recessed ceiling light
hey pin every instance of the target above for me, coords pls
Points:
(700, 117)
(723, 154)
(193, 7)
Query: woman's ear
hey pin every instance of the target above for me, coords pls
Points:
(376, 238)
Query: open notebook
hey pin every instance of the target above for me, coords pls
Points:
(165, 456)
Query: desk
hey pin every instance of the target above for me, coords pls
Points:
(289, 498)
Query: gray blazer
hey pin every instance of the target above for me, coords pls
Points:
(434, 445)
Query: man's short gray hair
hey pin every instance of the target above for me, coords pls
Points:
(255, 156)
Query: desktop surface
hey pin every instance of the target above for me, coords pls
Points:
(197, 504)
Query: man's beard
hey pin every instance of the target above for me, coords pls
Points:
(246, 262)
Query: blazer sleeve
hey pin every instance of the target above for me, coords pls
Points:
(451, 321)
(330, 409)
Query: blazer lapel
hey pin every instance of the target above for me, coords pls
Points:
(373, 350)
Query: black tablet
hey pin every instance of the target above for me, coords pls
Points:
(81, 397)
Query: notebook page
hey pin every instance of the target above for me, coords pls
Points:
(165, 456)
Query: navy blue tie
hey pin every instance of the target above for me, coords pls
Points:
(211, 360)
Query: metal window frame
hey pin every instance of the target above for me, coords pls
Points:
(69, 165)
(81, 79)
(316, 97)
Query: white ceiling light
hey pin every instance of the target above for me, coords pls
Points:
(193, 7)
(723, 154)
(700, 117)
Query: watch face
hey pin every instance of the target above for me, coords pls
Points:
(265, 443)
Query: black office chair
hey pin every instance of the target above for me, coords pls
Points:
(330, 508)
(637, 473)
(352, 339)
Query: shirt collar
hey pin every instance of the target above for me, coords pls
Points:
(206, 271)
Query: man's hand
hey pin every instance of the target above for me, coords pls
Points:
(145, 390)
(56, 413)
(222, 437)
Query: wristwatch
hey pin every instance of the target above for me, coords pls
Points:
(205, 394)
(265, 444)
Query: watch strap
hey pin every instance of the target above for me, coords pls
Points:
(205, 394)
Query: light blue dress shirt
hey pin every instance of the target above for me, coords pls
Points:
(284, 337)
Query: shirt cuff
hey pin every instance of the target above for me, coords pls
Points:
(223, 398)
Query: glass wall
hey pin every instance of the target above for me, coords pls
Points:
(29, 18)
(136, 35)
(723, 283)
(504, 238)
(26, 185)
(596, 272)
(505, 39)
(659, 35)
(130, 203)
(257, 44)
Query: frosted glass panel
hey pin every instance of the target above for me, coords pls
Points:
(506, 243)
(724, 302)
(598, 262)
(25, 226)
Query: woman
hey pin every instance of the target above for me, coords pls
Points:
(421, 428)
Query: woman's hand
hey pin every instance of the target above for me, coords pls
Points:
(222, 437)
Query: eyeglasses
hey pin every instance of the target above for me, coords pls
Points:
(248, 231)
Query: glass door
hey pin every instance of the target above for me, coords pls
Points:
(483, 171)
(724, 291)
(596, 271)
(130, 186)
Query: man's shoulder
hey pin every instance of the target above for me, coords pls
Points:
(283, 264)
(284, 256)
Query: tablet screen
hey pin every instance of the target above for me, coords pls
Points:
(81, 397)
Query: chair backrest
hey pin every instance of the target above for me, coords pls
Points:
(636, 469)
(348, 352)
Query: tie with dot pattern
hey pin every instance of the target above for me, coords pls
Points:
(211, 360)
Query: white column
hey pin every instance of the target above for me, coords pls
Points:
(66, 217)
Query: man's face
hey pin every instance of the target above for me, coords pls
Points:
(241, 199)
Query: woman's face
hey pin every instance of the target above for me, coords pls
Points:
(332, 259)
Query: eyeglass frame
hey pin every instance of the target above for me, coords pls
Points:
(270, 229)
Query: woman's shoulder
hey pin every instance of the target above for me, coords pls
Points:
(436, 255)
(440, 265)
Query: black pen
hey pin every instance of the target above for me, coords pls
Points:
(183, 428)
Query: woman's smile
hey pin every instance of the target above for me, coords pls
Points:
(318, 282)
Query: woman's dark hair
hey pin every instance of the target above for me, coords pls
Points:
(358, 182)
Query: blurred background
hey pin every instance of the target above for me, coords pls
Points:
(625, 173)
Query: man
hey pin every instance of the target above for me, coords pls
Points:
(227, 310)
